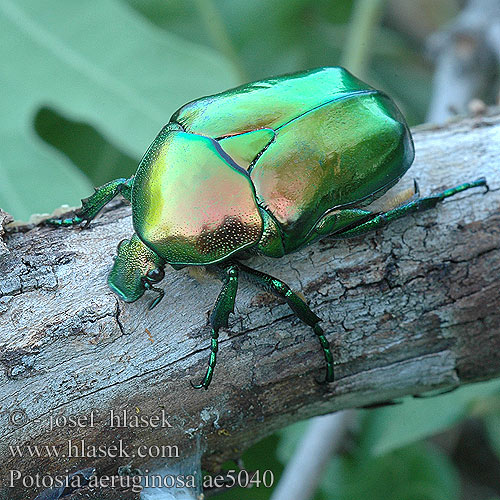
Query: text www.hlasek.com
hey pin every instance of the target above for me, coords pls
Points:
(79, 449)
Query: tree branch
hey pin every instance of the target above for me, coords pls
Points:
(409, 309)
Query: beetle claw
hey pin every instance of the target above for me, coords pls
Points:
(322, 382)
(86, 224)
(198, 386)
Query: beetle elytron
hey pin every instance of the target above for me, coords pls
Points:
(266, 168)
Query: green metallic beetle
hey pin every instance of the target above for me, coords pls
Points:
(266, 168)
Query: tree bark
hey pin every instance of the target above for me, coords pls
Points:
(408, 309)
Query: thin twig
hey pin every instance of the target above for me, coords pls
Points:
(304, 471)
(365, 19)
(216, 28)
(467, 55)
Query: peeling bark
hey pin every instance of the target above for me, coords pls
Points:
(408, 309)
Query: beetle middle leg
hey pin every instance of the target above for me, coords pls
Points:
(219, 317)
(92, 205)
(298, 306)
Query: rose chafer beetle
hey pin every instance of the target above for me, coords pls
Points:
(266, 168)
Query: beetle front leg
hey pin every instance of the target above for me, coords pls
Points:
(92, 205)
(219, 317)
(299, 307)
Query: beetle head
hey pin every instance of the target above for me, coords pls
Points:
(137, 268)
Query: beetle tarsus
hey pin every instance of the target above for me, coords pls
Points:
(66, 222)
(214, 347)
(327, 352)
(92, 205)
(224, 306)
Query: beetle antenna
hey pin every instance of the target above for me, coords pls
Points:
(160, 293)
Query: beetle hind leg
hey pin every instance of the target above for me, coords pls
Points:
(92, 205)
(224, 306)
(417, 205)
(299, 307)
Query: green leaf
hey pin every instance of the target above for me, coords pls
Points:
(260, 457)
(270, 38)
(492, 423)
(98, 62)
(417, 472)
(97, 158)
(290, 437)
(33, 176)
(393, 426)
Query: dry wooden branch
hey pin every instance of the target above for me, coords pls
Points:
(408, 309)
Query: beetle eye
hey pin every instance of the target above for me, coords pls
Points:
(156, 275)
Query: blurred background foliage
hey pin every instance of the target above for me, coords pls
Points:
(87, 85)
